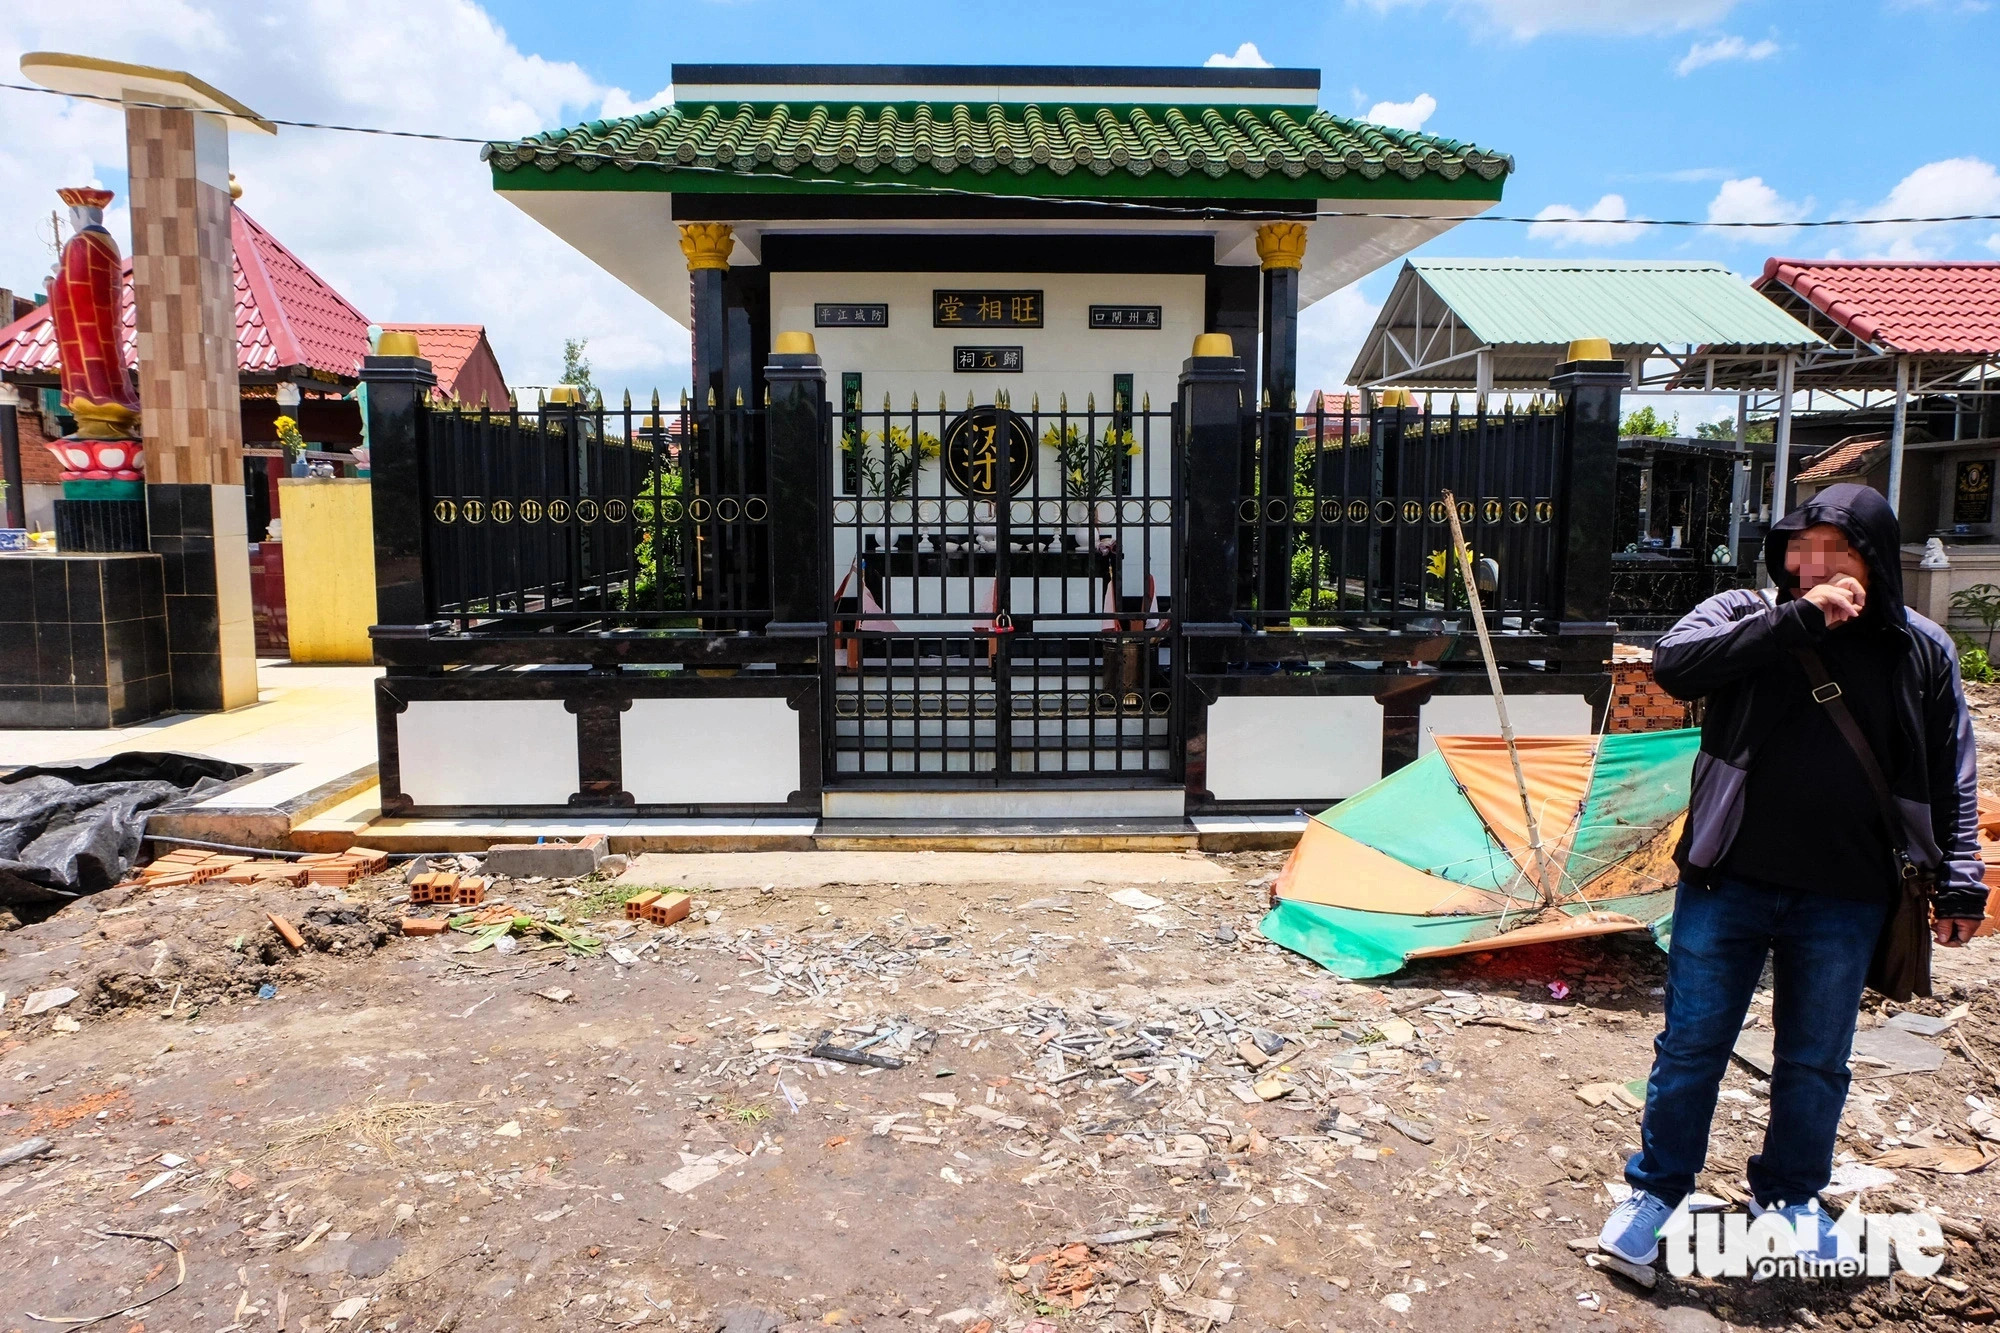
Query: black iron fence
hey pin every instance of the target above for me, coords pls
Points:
(592, 519)
(1342, 521)
(996, 590)
(1002, 588)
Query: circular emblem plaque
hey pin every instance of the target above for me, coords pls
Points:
(986, 449)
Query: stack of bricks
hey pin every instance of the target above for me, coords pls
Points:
(188, 865)
(445, 888)
(1637, 701)
(340, 869)
(656, 907)
(191, 865)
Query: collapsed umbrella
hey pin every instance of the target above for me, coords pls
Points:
(1435, 859)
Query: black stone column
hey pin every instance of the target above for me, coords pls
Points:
(10, 466)
(1211, 448)
(1281, 246)
(797, 457)
(706, 246)
(1586, 478)
(397, 389)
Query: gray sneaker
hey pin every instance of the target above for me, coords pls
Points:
(1632, 1232)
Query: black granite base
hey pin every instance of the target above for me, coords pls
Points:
(182, 520)
(83, 640)
(101, 525)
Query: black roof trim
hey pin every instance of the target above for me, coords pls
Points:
(1071, 76)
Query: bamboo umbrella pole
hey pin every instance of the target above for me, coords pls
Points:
(1545, 878)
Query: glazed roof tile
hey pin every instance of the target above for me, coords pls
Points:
(926, 139)
(1924, 309)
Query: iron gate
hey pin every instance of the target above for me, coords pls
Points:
(1002, 592)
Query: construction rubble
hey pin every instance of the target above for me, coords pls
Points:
(625, 1098)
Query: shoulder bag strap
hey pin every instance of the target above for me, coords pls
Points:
(1826, 692)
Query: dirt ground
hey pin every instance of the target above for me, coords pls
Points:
(405, 1136)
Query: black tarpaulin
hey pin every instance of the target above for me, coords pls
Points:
(71, 830)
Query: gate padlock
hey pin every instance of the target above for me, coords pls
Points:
(1002, 624)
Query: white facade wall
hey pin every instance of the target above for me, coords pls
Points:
(1065, 356)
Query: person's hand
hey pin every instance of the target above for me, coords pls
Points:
(1954, 931)
(1840, 599)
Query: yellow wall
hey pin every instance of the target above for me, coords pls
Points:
(329, 538)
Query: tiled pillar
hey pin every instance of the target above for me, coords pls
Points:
(181, 269)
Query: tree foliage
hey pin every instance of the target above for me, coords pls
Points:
(1646, 421)
(576, 370)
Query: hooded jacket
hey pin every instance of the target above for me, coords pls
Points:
(1730, 650)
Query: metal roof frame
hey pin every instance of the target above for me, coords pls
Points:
(1422, 340)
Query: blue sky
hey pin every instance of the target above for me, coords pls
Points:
(1678, 108)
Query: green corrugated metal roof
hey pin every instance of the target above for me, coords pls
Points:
(1643, 303)
(1263, 152)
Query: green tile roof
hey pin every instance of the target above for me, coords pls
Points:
(1276, 152)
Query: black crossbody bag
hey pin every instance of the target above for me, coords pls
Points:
(1901, 964)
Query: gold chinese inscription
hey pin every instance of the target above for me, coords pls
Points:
(985, 450)
(986, 310)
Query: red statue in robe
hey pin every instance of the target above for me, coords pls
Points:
(96, 389)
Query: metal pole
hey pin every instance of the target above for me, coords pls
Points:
(10, 458)
(1781, 478)
(1739, 493)
(1544, 880)
(1896, 434)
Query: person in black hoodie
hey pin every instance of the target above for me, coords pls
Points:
(1787, 852)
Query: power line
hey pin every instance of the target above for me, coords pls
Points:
(619, 160)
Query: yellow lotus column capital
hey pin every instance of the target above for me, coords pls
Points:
(1282, 244)
(707, 244)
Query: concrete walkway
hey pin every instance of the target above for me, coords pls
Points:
(812, 870)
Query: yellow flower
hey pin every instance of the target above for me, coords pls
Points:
(1435, 563)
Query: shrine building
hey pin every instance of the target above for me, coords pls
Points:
(990, 496)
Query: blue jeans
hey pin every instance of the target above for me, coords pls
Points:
(1720, 937)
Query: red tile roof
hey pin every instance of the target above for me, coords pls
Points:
(1925, 309)
(1332, 412)
(287, 316)
(463, 361)
(1849, 457)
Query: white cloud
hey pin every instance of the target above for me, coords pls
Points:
(616, 103)
(1247, 57)
(1409, 115)
(1525, 19)
(1936, 189)
(1722, 49)
(407, 230)
(1564, 224)
(1330, 336)
(1750, 200)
